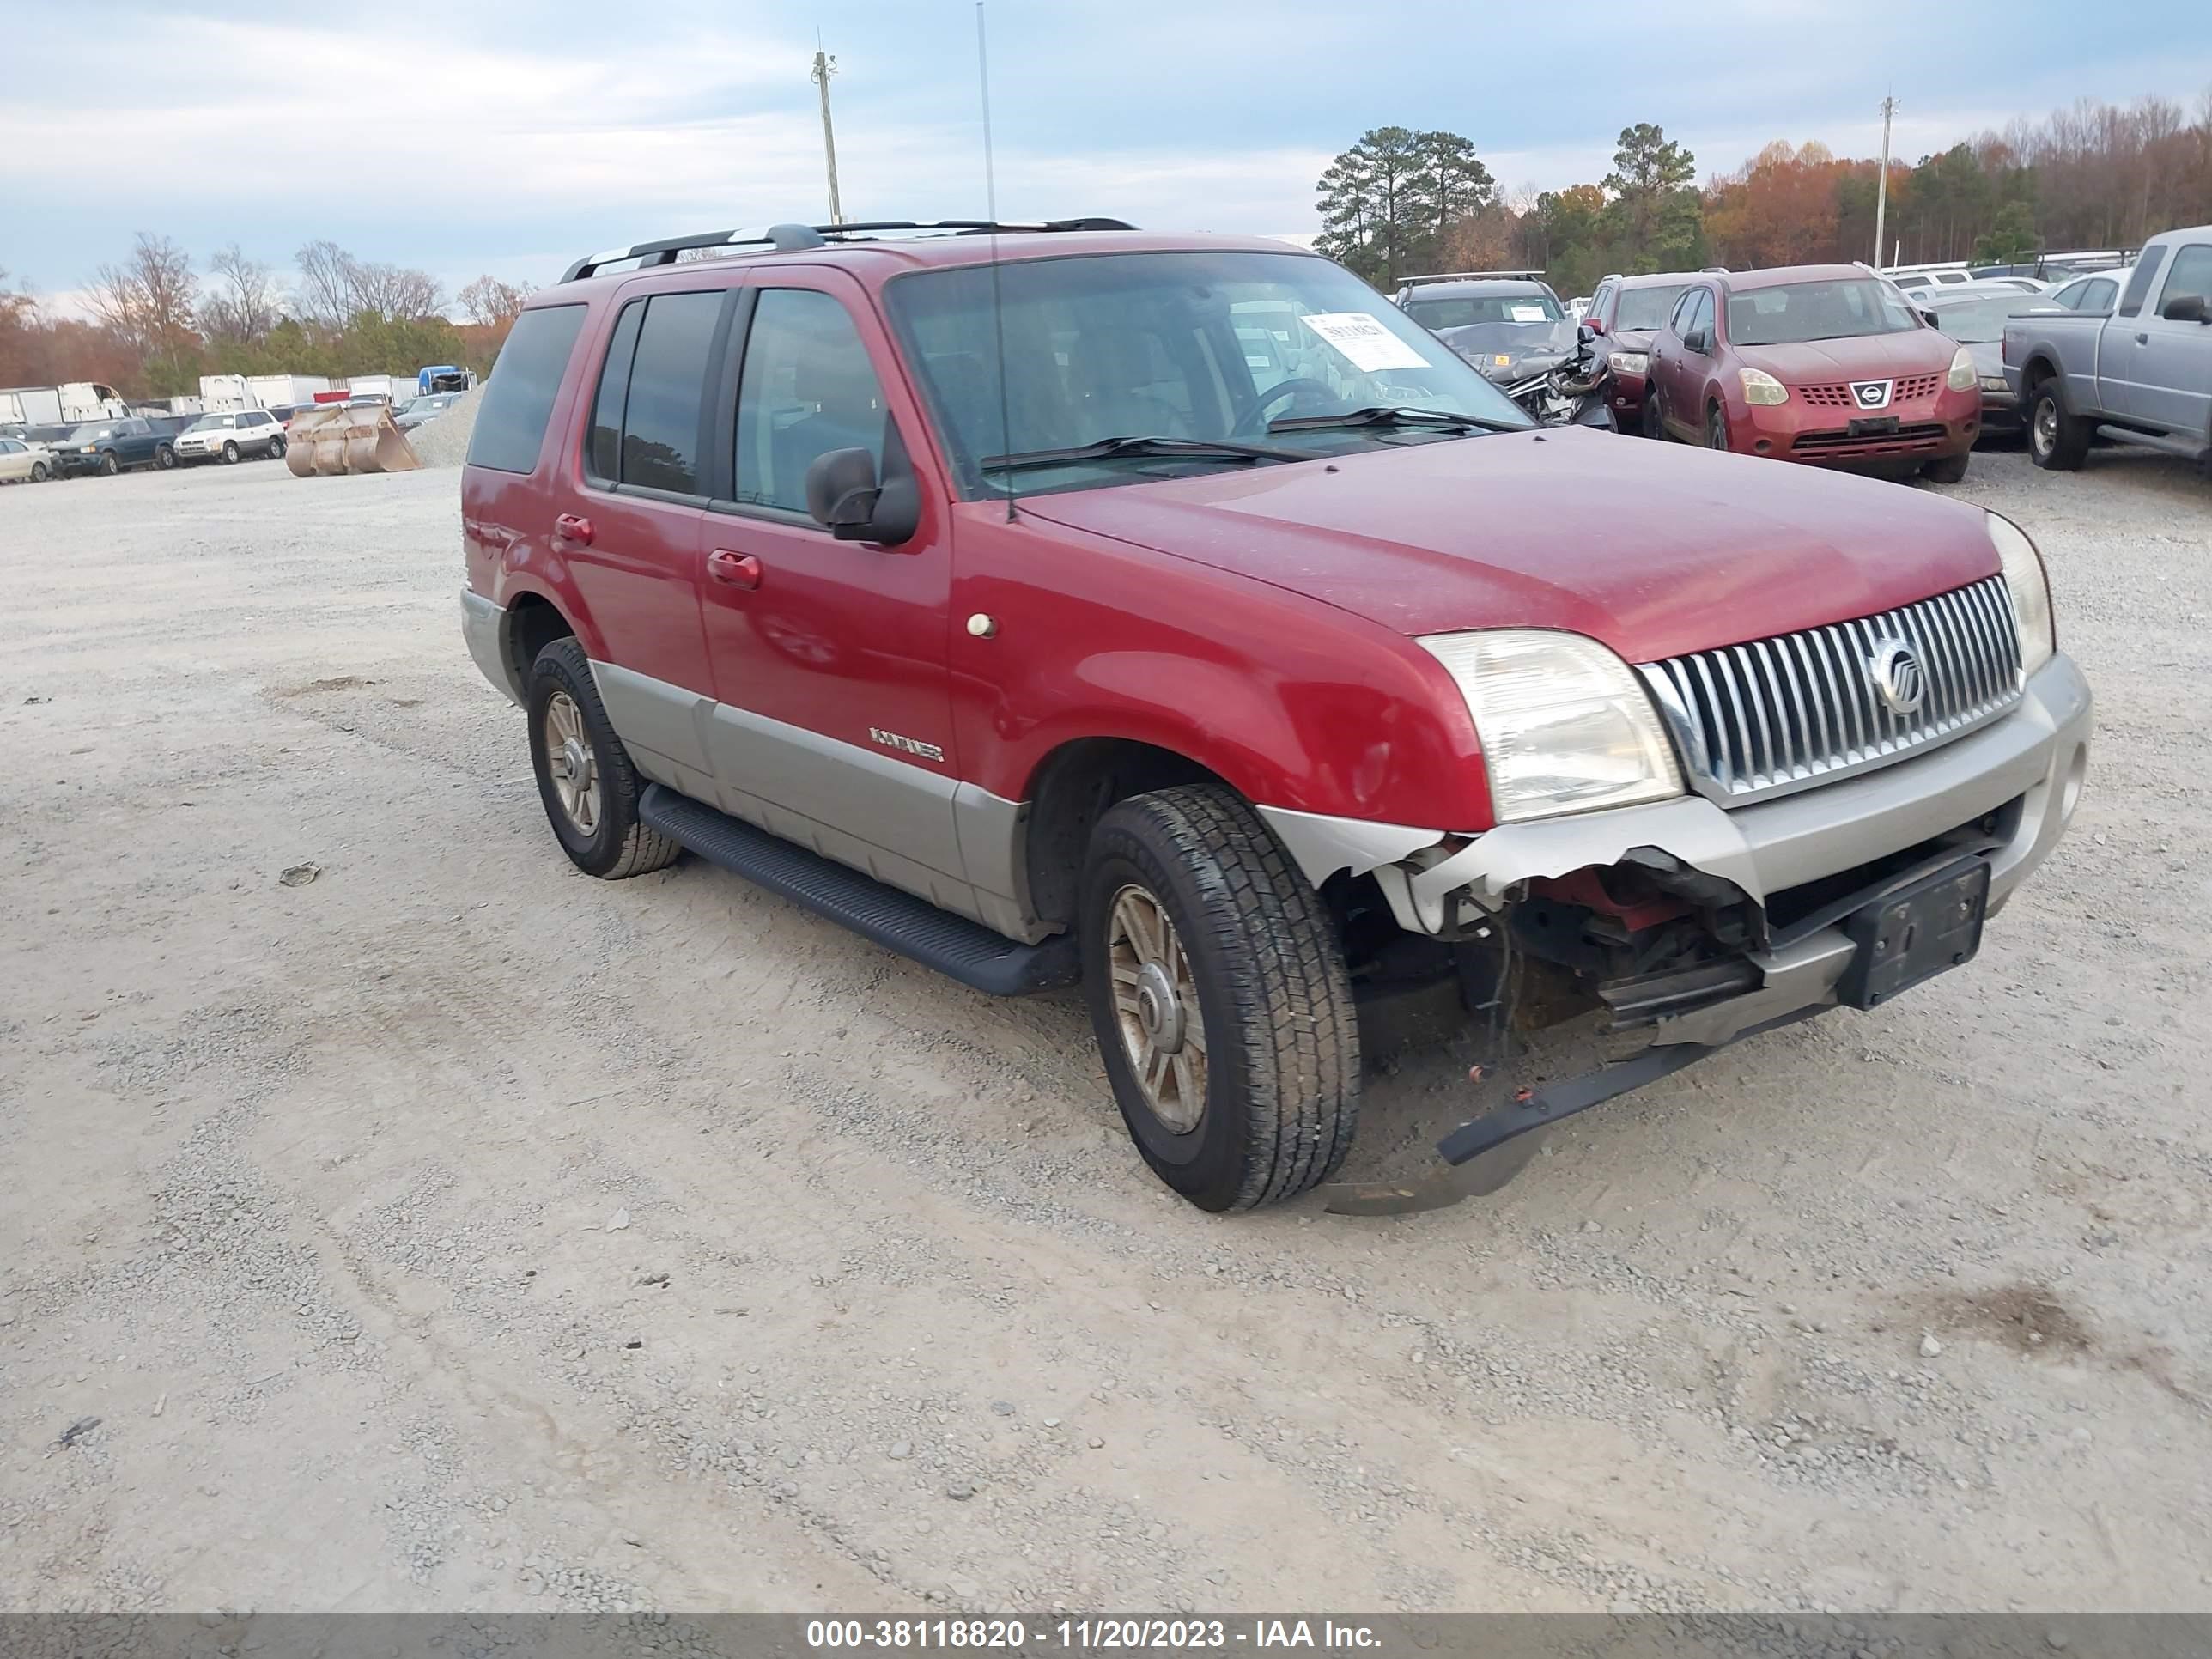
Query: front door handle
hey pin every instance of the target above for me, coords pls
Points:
(737, 570)
(571, 527)
(2143, 339)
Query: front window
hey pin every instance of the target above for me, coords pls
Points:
(1279, 353)
(1442, 311)
(1791, 314)
(1982, 322)
(1645, 308)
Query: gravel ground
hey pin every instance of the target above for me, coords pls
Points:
(392, 1217)
(445, 442)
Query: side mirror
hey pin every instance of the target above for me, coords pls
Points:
(2186, 308)
(1928, 317)
(843, 496)
(1587, 332)
(1698, 340)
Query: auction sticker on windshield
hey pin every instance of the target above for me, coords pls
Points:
(1526, 314)
(1364, 341)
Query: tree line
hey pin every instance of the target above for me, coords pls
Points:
(1402, 202)
(158, 322)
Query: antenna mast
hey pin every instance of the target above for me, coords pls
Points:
(1880, 189)
(998, 310)
(824, 67)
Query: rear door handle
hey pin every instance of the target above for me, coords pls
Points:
(2143, 339)
(737, 570)
(571, 527)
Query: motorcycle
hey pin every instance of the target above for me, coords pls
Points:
(1573, 392)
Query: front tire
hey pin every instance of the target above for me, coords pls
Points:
(1219, 1000)
(1653, 423)
(2056, 441)
(1716, 428)
(109, 466)
(229, 453)
(585, 777)
(1948, 469)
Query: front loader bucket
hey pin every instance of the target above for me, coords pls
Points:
(334, 438)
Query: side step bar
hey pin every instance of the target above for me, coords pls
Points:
(956, 947)
(2188, 449)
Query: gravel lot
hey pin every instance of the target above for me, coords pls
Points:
(450, 1230)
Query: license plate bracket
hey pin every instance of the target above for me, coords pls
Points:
(1879, 426)
(1927, 928)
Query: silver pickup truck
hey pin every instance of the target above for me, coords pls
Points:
(2140, 374)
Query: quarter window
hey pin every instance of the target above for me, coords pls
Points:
(807, 388)
(511, 426)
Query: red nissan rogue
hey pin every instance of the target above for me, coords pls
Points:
(1172, 617)
(1818, 363)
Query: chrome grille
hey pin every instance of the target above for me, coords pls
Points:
(1780, 714)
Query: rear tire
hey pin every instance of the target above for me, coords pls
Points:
(165, 458)
(1240, 1083)
(2056, 441)
(276, 447)
(1948, 469)
(585, 777)
(38, 472)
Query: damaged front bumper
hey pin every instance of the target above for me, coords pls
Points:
(2021, 774)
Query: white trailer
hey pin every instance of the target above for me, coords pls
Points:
(375, 385)
(32, 405)
(284, 390)
(222, 394)
(90, 400)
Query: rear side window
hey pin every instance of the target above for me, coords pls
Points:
(518, 398)
(2139, 284)
(645, 417)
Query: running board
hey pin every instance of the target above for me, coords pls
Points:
(2188, 449)
(956, 947)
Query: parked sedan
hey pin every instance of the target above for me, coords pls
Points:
(416, 410)
(20, 464)
(1626, 312)
(1823, 364)
(1975, 318)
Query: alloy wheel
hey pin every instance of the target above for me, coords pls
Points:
(572, 763)
(1156, 1007)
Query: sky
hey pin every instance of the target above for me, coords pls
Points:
(510, 136)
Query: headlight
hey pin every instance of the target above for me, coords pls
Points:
(1628, 363)
(1760, 387)
(1565, 726)
(1994, 383)
(1963, 376)
(2031, 593)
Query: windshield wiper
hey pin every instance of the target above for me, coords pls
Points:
(1108, 449)
(1392, 415)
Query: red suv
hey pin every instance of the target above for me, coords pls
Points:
(1818, 363)
(1627, 312)
(1173, 616)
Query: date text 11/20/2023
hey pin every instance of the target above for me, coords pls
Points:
(1087, 1635)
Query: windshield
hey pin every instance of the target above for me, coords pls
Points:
(88, 434)
(210, 422)
(1442, 311)
(1197, 346)
(1646, 308)
(1981, 322)
(1794, 312)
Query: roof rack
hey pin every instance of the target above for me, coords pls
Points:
(1472, 276)
(789, 238)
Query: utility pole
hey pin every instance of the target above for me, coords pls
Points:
(824, 67)
(1881, 188)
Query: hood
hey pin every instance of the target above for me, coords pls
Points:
(1862, 357)
(1989, 357)
(1479, 342)
(1653, 549)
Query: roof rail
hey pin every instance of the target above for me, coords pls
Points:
(1472, 276)
(788, 238)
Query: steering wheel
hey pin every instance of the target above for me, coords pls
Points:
(1248, 421)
